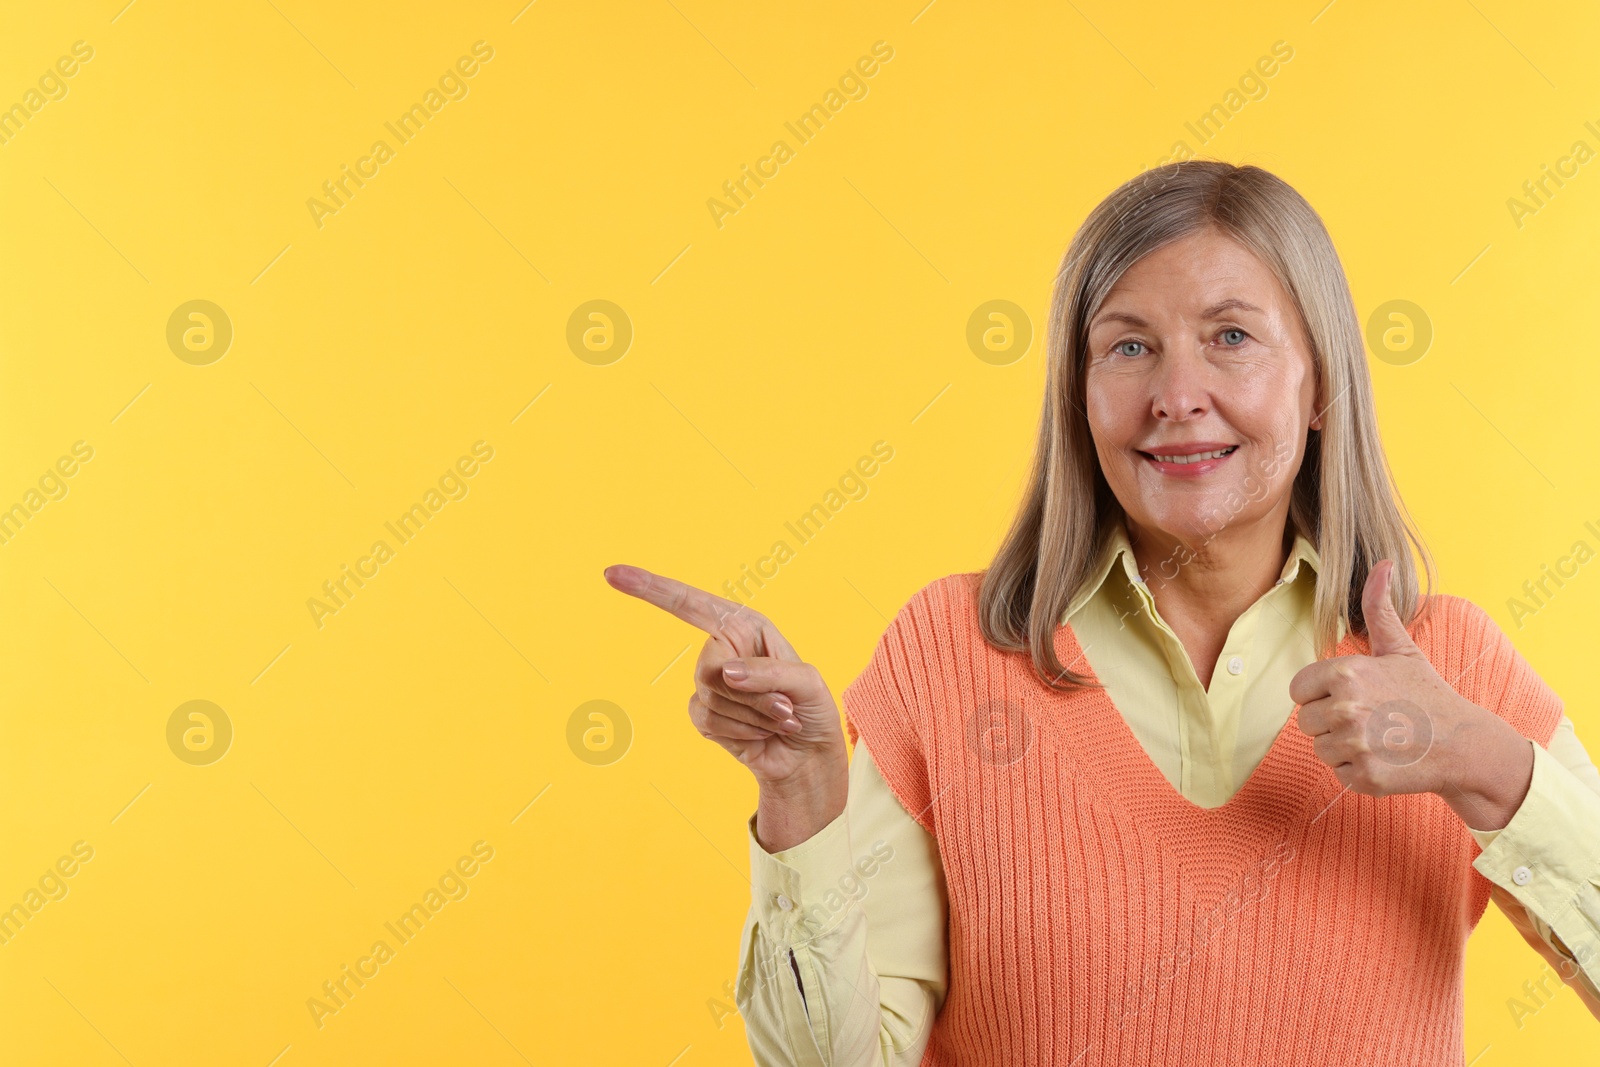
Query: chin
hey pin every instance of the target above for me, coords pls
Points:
(1193, 524)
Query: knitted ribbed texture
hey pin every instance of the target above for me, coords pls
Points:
(1098, 917)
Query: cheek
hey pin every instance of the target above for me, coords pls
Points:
(1279, 427)
(1270, 409)
(1293, 418)
(1270, 474)
(1111, 433)
(1113, 410)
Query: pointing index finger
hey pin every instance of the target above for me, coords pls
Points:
(696, 607)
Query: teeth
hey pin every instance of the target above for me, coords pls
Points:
(1197, 456)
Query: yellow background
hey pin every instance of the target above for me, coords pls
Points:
(769, 354)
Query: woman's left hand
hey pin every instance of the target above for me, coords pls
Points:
(1388, 723)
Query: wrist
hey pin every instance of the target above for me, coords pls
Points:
(1498, 773)
(795, 808)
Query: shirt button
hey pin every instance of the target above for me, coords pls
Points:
(1522, 876)
(784, 903)
(1236, 665)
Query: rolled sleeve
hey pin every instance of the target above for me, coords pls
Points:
(1548, 859)
(805, 960)
(844, 957)
(768, 993)
(790, 887)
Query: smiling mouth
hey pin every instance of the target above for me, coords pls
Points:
(1193, 457)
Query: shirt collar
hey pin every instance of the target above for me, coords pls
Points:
(1117, 549)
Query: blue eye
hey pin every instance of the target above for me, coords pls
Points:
(1119, 348)
(1235, 330)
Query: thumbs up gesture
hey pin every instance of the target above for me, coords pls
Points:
(1388, 723)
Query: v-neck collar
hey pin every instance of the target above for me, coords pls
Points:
(1100, 737)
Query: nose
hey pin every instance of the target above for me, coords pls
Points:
(1181, 386)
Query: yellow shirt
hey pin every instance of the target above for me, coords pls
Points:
(844, 959)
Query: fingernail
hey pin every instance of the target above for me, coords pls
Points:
(789, 726)
(782, 706)
(623, 577)
(734, 672)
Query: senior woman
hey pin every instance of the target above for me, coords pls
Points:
(1077, 828)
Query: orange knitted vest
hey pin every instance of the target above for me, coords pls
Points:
(1098, 917)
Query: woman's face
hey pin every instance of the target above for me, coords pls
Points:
(1199, 350)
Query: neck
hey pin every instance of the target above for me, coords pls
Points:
(1215, 577)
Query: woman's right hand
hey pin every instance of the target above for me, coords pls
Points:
(779, 719)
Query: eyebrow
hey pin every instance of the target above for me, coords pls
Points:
(1214, 311)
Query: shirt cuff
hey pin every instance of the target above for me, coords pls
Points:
(1548, 857)
(797, 892)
